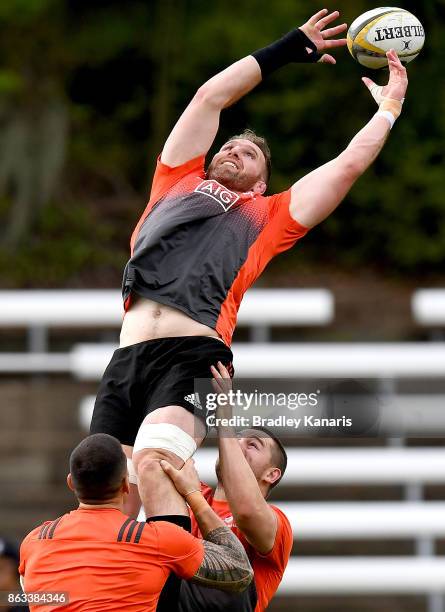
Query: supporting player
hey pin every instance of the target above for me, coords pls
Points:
(103, 560)
(248, 467)
(203, 239)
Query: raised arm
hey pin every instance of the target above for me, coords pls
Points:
(251, 512)
(225, 564)
(196, 129)
(317, 195)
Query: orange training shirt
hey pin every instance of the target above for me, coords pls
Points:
(269, 568)
(106, 561)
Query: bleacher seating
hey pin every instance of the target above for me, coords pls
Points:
(41, 310)
(364, 576)
(323, 466)
(428, 306)
(318, 360)
(412, 469)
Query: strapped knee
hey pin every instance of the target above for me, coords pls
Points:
(167, 437)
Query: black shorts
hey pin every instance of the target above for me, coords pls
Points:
(153, 374)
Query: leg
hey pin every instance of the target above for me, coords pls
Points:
(114, 414)
(132, 503)
(157, 492)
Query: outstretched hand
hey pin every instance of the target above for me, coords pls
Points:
(222, 385)
(313, 28)
(397, 84)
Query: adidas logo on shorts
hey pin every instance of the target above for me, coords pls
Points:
(193, 398)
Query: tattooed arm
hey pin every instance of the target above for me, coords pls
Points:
(225, 564)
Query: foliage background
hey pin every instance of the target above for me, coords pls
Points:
(90, 90)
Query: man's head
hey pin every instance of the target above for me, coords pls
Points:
(265, 455)
(98, 470)
(243, 163)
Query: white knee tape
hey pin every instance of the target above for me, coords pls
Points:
(167, 437)
(132, 476)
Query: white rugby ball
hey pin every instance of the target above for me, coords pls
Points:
(375, 32)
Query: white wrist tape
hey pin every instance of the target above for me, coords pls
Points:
(166, 437)
(390, 109)
(387, 115)
(132, 476)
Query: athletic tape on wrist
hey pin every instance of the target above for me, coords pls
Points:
(391, 105)
(293, 47)
(166, 437)
(390, 109)
(387, 115)
(387, 106)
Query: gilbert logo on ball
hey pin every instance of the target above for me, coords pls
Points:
(375, 32)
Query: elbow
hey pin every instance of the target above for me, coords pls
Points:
(207, 96)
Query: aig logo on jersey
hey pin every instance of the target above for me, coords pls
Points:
(218, 192)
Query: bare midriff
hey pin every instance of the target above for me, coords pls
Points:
(149, 320)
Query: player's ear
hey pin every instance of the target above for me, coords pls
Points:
(126, 486)
(69, 482)
(259, 187)
(272, 475)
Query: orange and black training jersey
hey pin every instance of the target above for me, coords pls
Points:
(199, 246)
(268, 569)
(106, 561)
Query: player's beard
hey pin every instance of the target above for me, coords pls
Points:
(232, 178)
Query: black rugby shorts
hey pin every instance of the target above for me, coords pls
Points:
(153, 374)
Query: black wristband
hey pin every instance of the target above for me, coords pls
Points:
(291, 48)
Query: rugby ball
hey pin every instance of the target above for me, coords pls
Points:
(377, 31)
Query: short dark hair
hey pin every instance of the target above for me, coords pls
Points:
(278, 452)
(261, 143)
(97, 465)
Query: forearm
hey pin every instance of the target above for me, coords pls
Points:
(368, 143)
(228, 86)
(225, 564)
(206, 518)
(317, 195)
(365, 146)
(240, 485)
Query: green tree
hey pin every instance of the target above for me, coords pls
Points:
(89, 92)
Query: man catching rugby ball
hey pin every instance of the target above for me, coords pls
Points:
(204, 238)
